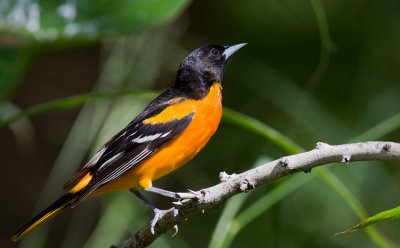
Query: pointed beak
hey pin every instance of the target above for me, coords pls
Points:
(229, 50)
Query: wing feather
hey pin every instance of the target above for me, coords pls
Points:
(164, 100)
(132, 146)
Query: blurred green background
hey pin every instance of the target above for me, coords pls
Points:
(313, 71)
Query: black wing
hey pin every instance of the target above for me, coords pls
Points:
(134, 143)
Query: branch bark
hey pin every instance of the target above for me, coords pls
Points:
(237, 183)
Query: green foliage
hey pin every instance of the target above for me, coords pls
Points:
(48, 20)
(380, 217)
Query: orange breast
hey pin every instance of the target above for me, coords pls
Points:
(181, 149)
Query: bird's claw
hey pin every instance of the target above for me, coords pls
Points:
(176, 231)
(181, 202)
(191, 194)
(157, 212)
(186, 197)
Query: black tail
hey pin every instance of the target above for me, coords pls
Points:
(63, 202)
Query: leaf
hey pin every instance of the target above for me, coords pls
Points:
(380, 130)
(382, 216)
(49, 20)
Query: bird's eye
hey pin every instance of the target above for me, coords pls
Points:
(214, 52)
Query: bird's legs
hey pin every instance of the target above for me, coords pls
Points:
(155, 210)
(163, 192)
(179, 197)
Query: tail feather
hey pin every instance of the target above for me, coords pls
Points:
(63, 202)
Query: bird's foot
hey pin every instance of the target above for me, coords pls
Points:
(184, 198)
(157, 214)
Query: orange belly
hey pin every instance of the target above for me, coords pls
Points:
(178, 151)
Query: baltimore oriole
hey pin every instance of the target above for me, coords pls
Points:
(169, 132)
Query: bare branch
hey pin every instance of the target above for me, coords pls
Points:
(234, 184)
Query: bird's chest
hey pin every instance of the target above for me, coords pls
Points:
(207, 115)
(205, 121)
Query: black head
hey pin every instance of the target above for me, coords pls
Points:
(204, 66)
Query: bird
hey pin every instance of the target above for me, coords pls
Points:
(168, 133)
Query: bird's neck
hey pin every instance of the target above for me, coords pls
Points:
(193, 84)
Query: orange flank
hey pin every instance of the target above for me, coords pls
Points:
(82, 183)
(207, 115)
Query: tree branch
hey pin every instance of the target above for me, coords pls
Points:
(236, 183)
